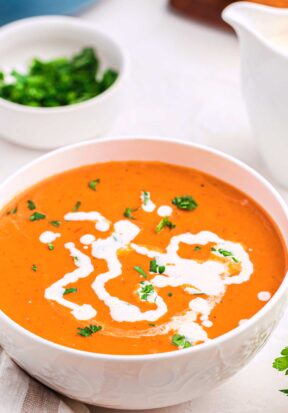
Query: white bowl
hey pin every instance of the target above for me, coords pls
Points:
(49, 37)
(157, 380)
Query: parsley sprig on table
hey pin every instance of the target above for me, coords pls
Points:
(281, 364)
(58, 82)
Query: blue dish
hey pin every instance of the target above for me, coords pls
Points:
(11, 10)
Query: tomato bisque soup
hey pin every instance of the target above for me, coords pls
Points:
(136, 258)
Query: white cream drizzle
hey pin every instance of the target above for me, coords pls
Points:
(56, 290)
(107, 249)
(101, 223)
(243, 321)
(164, 211)
(48, 236)
(87, 239)
(210, 277)
(147, 204)
(264, 296)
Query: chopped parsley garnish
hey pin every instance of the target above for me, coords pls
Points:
(92, 184)
(70, 290)
(170, 294)
(145, 291)
(185, 202)
(36, 216)
(146, 197)
(89, 330)
(180, 341)
(50, 246)
(197, 248)
(151, 324)
(165, 222)
(281, 364)
(31, 205)
(34, 267)
(154, 267)
(128, 213)
(12, 211)
(225, 253)
(76, 206)
(140, 271)
(60, 81)
(55, 224)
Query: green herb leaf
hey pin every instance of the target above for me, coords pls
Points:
(284, 352)
(170, 294)
(89, 330)
(161, 269)
(92, 184)
(34, 267)
(128, 213)
(185, 202)
(50, 246)
(31, 205)
(151, 324)
(165, 222)
(13, 211)
(180, 341)
(145, 291)
(281, 364)
(197, 248)
(76, 206)
(70, 290)
(225, 253)
(146, 197)
(55, 224)
(154, 267)
(36, 216)
(140, 271)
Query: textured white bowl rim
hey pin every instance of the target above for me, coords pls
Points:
(74, 22)
(173, 354)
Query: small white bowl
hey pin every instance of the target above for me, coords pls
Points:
(156, 380)
(50, 37)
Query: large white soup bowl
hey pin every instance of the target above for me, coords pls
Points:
(145, 381)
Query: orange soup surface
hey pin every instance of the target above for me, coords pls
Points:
(136, 258)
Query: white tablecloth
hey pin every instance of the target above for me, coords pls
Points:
(185, 84)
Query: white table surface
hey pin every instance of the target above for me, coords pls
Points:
(185, 84)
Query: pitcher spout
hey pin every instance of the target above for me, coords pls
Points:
(256, 19)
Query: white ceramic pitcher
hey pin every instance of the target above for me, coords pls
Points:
(263, 36)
